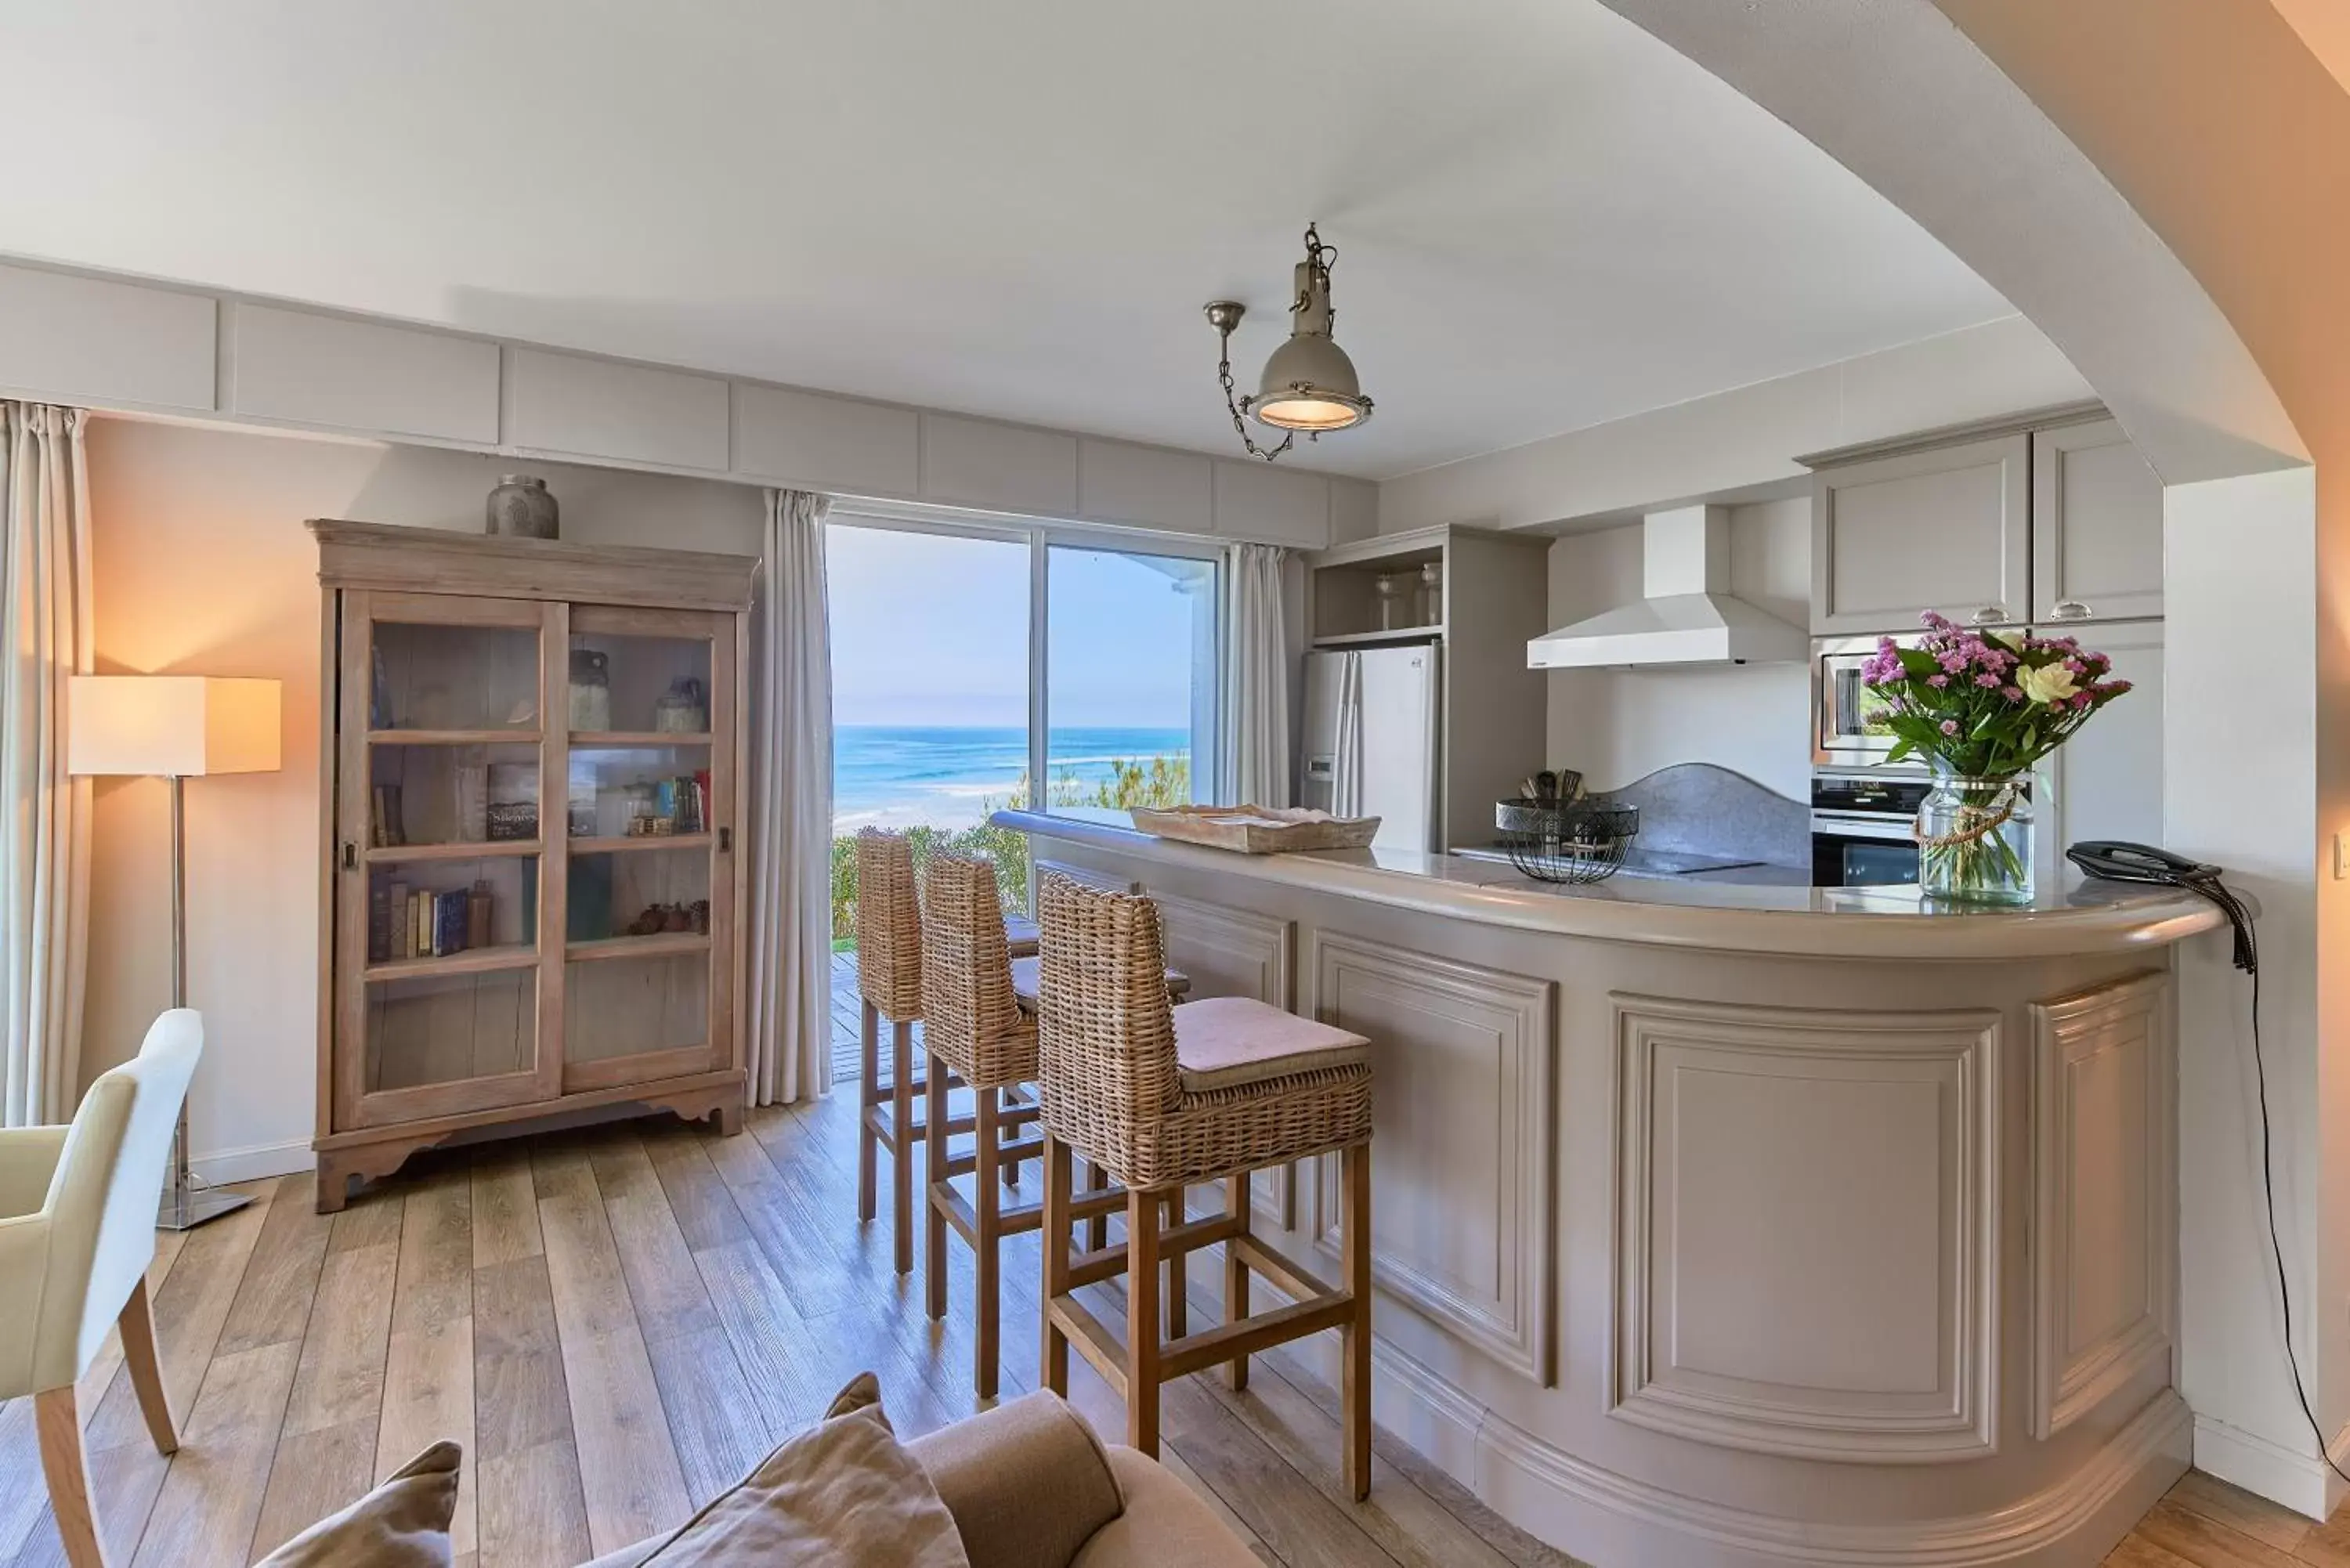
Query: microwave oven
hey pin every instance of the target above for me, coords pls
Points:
(1845, 732)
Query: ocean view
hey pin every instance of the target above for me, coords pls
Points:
(944, 775)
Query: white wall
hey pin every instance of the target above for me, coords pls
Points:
(204, 567)
(1743, 438)
(1616, 725)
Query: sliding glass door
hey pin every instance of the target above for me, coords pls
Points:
(1129, 684)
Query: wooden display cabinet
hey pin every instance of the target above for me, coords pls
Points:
(532, 898)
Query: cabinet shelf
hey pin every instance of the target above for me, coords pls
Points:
(473, 960)
(646, 841)
(488, 849)
(660, 944)
(1373, 639)
(453, 737)
(591, 738)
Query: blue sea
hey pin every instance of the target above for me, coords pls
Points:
(947, 776)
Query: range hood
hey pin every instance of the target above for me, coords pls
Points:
(1688, 617)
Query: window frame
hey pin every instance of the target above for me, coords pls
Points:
(1041, 536)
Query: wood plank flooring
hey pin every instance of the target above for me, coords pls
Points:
(617, 1323)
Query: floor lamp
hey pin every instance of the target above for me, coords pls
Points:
(175, 727)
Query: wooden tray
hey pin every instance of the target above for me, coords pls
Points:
(1257, 829)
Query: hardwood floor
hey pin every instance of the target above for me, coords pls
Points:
(617, 1323)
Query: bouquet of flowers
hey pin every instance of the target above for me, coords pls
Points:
(1985, 707)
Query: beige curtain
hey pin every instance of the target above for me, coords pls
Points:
(791, 811)
(45, 613)
(1256, 681)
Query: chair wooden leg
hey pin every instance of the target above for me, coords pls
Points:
(1056, 1358)
(868, 1095)
(1142, 1320)
(934, 1212)
(141, 1360)
(988, 1131)
(1097, 1228)
(901, 1111)
(58, 1420)
(1355, 1334)
(1236, 1279)
(1178, 1316)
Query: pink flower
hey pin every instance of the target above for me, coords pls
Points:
(2082, 700)
(2076, 666)
(2012, 693)
(2105, 689)
(1933, 622)
(1949, 726)
(1953, 662)
(1937, 681)
(1987, 679)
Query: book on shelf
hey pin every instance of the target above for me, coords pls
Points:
(385, 828)
(399, 922)
(378, 923)
(479, 909)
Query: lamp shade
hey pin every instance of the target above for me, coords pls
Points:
(172, 725)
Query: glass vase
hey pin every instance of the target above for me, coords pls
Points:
(1974, 840)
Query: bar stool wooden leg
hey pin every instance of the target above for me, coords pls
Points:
(1096, 1228)
(1355, 1334)
(902, 1198)
(934, 1216)
(1236, 1285)
(988, 1129)
(1179, 1317)
(868, 1093)
(1142, 1320)
(1055, 1361)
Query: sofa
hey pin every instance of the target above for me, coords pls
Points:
(1024, 1485)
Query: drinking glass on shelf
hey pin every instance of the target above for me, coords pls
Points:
(1387, 588)
(1431, 593)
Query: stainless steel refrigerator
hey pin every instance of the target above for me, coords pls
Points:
(1372, 729)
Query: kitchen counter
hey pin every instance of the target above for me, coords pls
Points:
(1734, 1226)
(2081, 916)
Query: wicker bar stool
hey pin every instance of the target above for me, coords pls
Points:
(974, 1028)
(890, 984)
(1166, 1097)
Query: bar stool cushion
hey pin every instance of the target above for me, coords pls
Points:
(1020, 935)
(1028, 977)
(1226, 1042)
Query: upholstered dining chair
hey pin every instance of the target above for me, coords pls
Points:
(77, 1234)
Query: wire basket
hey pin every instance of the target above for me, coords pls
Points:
(1571, 841)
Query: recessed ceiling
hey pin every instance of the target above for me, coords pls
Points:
(1545, 219)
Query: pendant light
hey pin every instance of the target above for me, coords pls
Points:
(1309, 384)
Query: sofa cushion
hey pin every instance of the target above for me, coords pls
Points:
(403, 1523)
(1165, 1525)
(1225, 1041)
(842, 1492)
(1028, 1482)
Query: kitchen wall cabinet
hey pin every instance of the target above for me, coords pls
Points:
(1947, 528)
(1145, 486)
(2106, 781)
(67, 338)
(808, 439)
(2096, 526)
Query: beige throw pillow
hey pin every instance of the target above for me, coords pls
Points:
(842, 1492)
(403, 1523)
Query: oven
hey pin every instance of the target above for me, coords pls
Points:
(1844, 709)
(1863, 829)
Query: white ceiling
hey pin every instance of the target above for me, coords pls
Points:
(1545, 218)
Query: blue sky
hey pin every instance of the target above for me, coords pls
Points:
(930, 630)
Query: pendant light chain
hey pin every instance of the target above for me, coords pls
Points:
(1224, 374)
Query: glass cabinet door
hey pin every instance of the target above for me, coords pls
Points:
(442, 876)
(648, 810)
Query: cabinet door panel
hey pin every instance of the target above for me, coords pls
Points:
(443, 1004)
(2096, 526)
(648, 824)
(1943, 530)
(2107, 780)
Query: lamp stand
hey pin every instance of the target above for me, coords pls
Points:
(185, 1204)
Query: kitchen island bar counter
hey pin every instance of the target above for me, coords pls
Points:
(2083, 916)
(1728, 1226)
